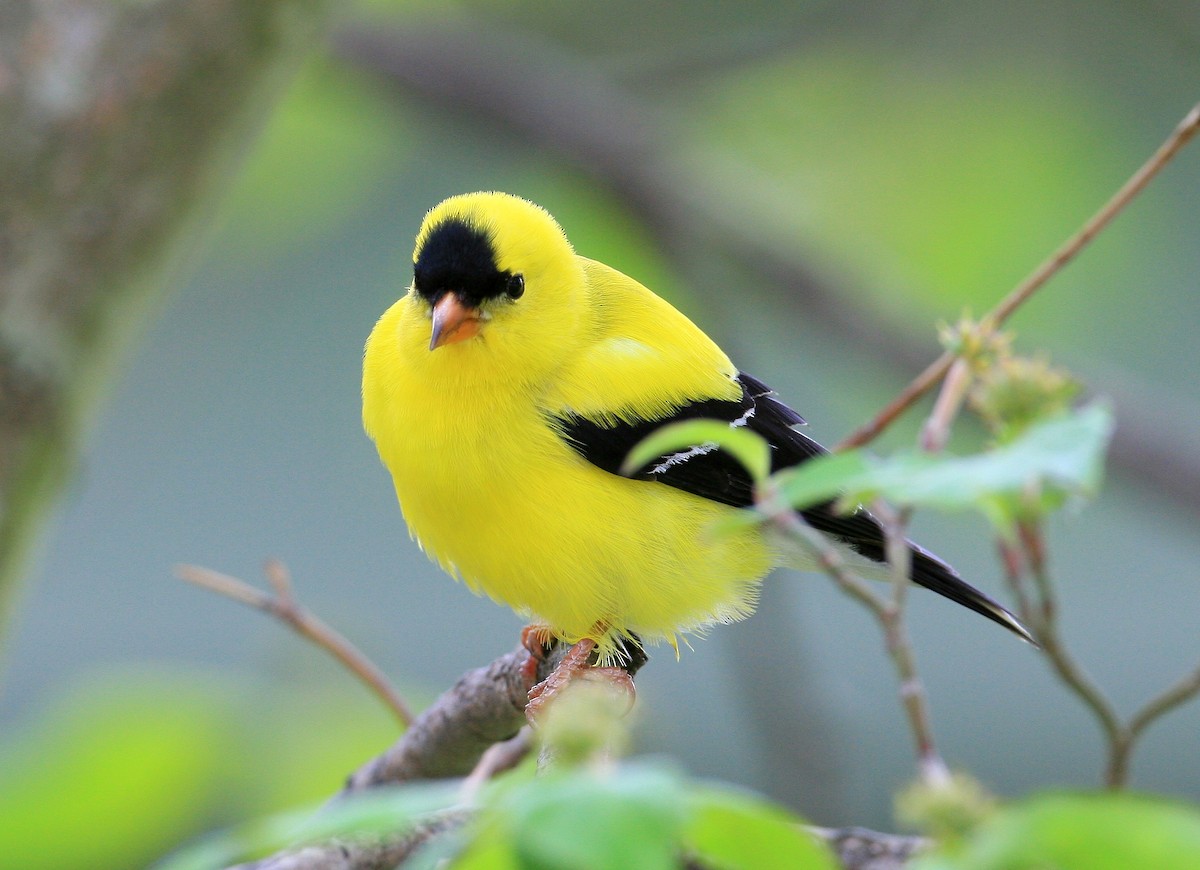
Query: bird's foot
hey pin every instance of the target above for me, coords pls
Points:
(537, 639)
(576, 664)
(617, 678)
(576, 661)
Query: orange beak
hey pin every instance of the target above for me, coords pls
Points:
(453, 321)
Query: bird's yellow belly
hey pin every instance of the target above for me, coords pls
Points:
(519, 516)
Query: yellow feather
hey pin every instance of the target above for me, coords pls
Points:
(490, 489)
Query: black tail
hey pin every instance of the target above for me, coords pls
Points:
(861, 532)
(932, 573)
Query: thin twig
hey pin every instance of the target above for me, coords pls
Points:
(932, 768)
(1183, 691)
(1034, 547)
(899, 557)
(1046, 619)
(498, 758)
(1078, 681)
(830, 560)
(281, 581)
(936, 431)
(888, 613)
(922, 383)
(284, 607)
(1013, 562)
(1042, 616)
(1180, 693)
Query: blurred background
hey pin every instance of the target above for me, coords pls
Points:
(817, 185)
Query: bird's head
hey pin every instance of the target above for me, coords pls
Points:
(493, 271)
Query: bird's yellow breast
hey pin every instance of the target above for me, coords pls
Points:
(497, 497)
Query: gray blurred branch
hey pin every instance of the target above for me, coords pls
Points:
(484, 707)
(118, 121)
(863, 849)
(855, 848)
(361, 853)
(572, 110)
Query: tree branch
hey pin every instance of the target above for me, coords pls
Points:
(862, 849)
(485, 706)
(284, 607)
(118, 123)
(373, 853)
(477, 728)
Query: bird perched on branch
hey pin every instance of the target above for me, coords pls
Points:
(504, 390)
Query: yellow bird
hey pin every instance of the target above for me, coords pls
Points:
(503, 391)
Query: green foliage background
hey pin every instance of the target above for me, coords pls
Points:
(916, 158)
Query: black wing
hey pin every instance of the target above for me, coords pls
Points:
(706, 471)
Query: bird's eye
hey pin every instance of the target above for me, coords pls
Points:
(515, 287)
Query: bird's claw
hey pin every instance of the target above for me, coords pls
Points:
(576, 664)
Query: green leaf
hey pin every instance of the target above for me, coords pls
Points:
(380, 811)
(1053, 459)
(823, 478)
(487, 852)
(454, 847)
(115, 775)
(1080, 832)
(748, 448)
(612, 820)
(735, 831)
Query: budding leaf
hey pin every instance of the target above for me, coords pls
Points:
(748, 448)
(1052, 460)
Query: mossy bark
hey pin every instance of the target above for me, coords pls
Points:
(120, 125)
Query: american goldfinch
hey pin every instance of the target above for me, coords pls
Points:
(505, 388)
